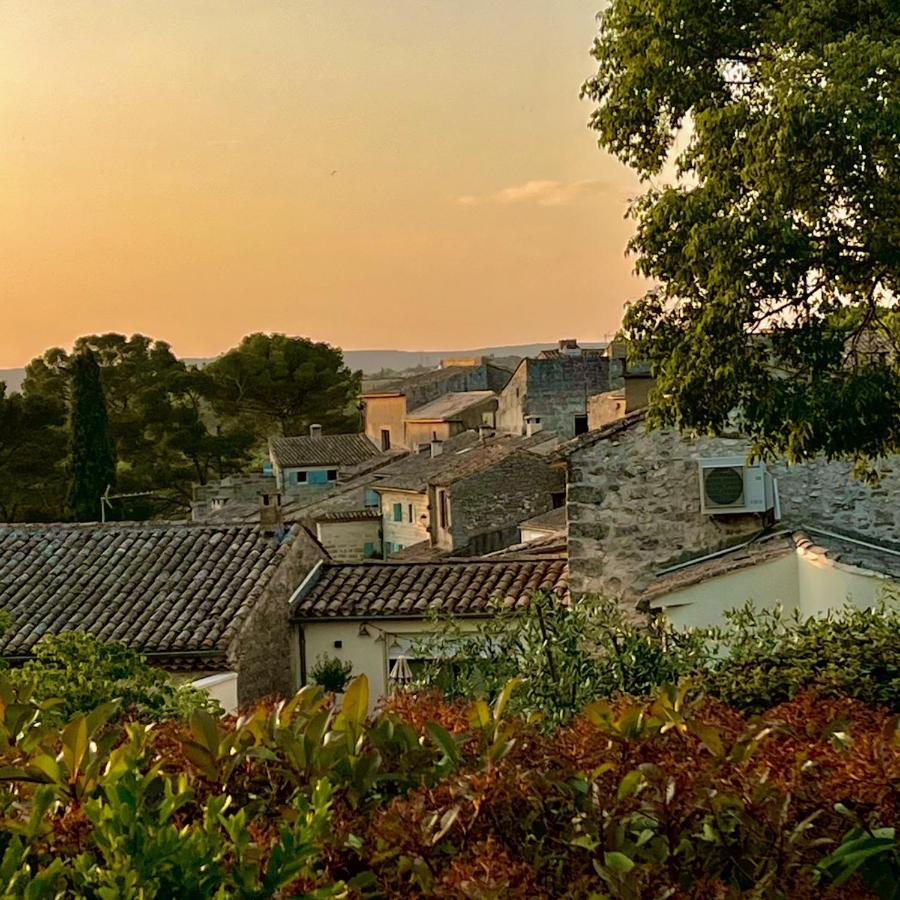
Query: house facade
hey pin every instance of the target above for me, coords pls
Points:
(317, 461)
(373, 614)
(386, 411)
(552, 391)
(476, 506)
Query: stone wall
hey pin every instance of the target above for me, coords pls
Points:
(261, 652)
(493, 502)
(346, 541)
(633, 507)
(557, 390)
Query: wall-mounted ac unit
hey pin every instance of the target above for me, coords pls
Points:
(729, 486)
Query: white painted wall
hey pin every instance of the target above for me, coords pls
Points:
(825, 584)
(704, 604)
(370, 654)
(801, 580)
(223, 686)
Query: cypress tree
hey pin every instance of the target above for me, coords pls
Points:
(92, 462)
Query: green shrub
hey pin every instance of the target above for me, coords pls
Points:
(331, 673)
(84, 672)
(566, 656)
(766, 657)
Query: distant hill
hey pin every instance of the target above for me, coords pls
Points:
(372, 361)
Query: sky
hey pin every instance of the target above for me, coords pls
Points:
(406, 174)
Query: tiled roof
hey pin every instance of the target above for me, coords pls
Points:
(450, 405)
(180, 589)
(552, 546)
(762, 550)
(435, 376)
(412, 589)
(554, 520)
(348, 515)
(462, 455)
(874, 556)
(325, 450)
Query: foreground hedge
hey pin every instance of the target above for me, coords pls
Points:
(677, 796)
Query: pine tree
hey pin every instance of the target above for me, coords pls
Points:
(92, 463)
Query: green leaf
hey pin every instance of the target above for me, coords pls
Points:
(617, 862)
(355, 707)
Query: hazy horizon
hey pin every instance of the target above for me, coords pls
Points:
(412, 175)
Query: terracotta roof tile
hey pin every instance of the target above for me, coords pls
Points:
(404, 589)
(158, 588)
(324, 450)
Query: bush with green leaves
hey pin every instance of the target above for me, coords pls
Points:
(566, 655)
(331, 673)
(571, 655)
(766, 656)
(82, 672)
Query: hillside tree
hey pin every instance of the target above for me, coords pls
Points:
(284, 384)
(768, 136)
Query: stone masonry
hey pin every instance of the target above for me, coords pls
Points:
(633, 506)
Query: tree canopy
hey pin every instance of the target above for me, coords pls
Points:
(284, 384)
(775, 241)
(170, 424)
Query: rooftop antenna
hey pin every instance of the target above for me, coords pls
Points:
(106, 500)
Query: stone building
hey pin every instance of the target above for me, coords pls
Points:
(476, 505)
(317, 460)
(552, 390)
(385, 411)
(199, 600)
(448, 416)
(467, 481)
(635, 509)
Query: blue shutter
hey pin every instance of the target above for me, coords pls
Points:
(398, 512)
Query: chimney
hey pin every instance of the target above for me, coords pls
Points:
(485, 432)
(437, 448)
(315, 431)
(569, 347)
(533, 425)
(271, 519)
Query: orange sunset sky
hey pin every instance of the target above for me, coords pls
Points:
(397, 174)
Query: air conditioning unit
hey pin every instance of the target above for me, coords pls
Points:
(729, 486)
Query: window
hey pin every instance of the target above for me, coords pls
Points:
(410, 512)
(332, 474)
(385, 438)
(398, 512)
(581, 424)
(444, 512)
(299, 477)
(371, 500)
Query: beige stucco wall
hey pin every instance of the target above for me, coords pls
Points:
(804, 581)
(385, 412)
(424, 432)
(346, 541)
(605, 408)
(368, 653)
(405, 533)
(825, 584)
(222, 686)
(700, 605)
